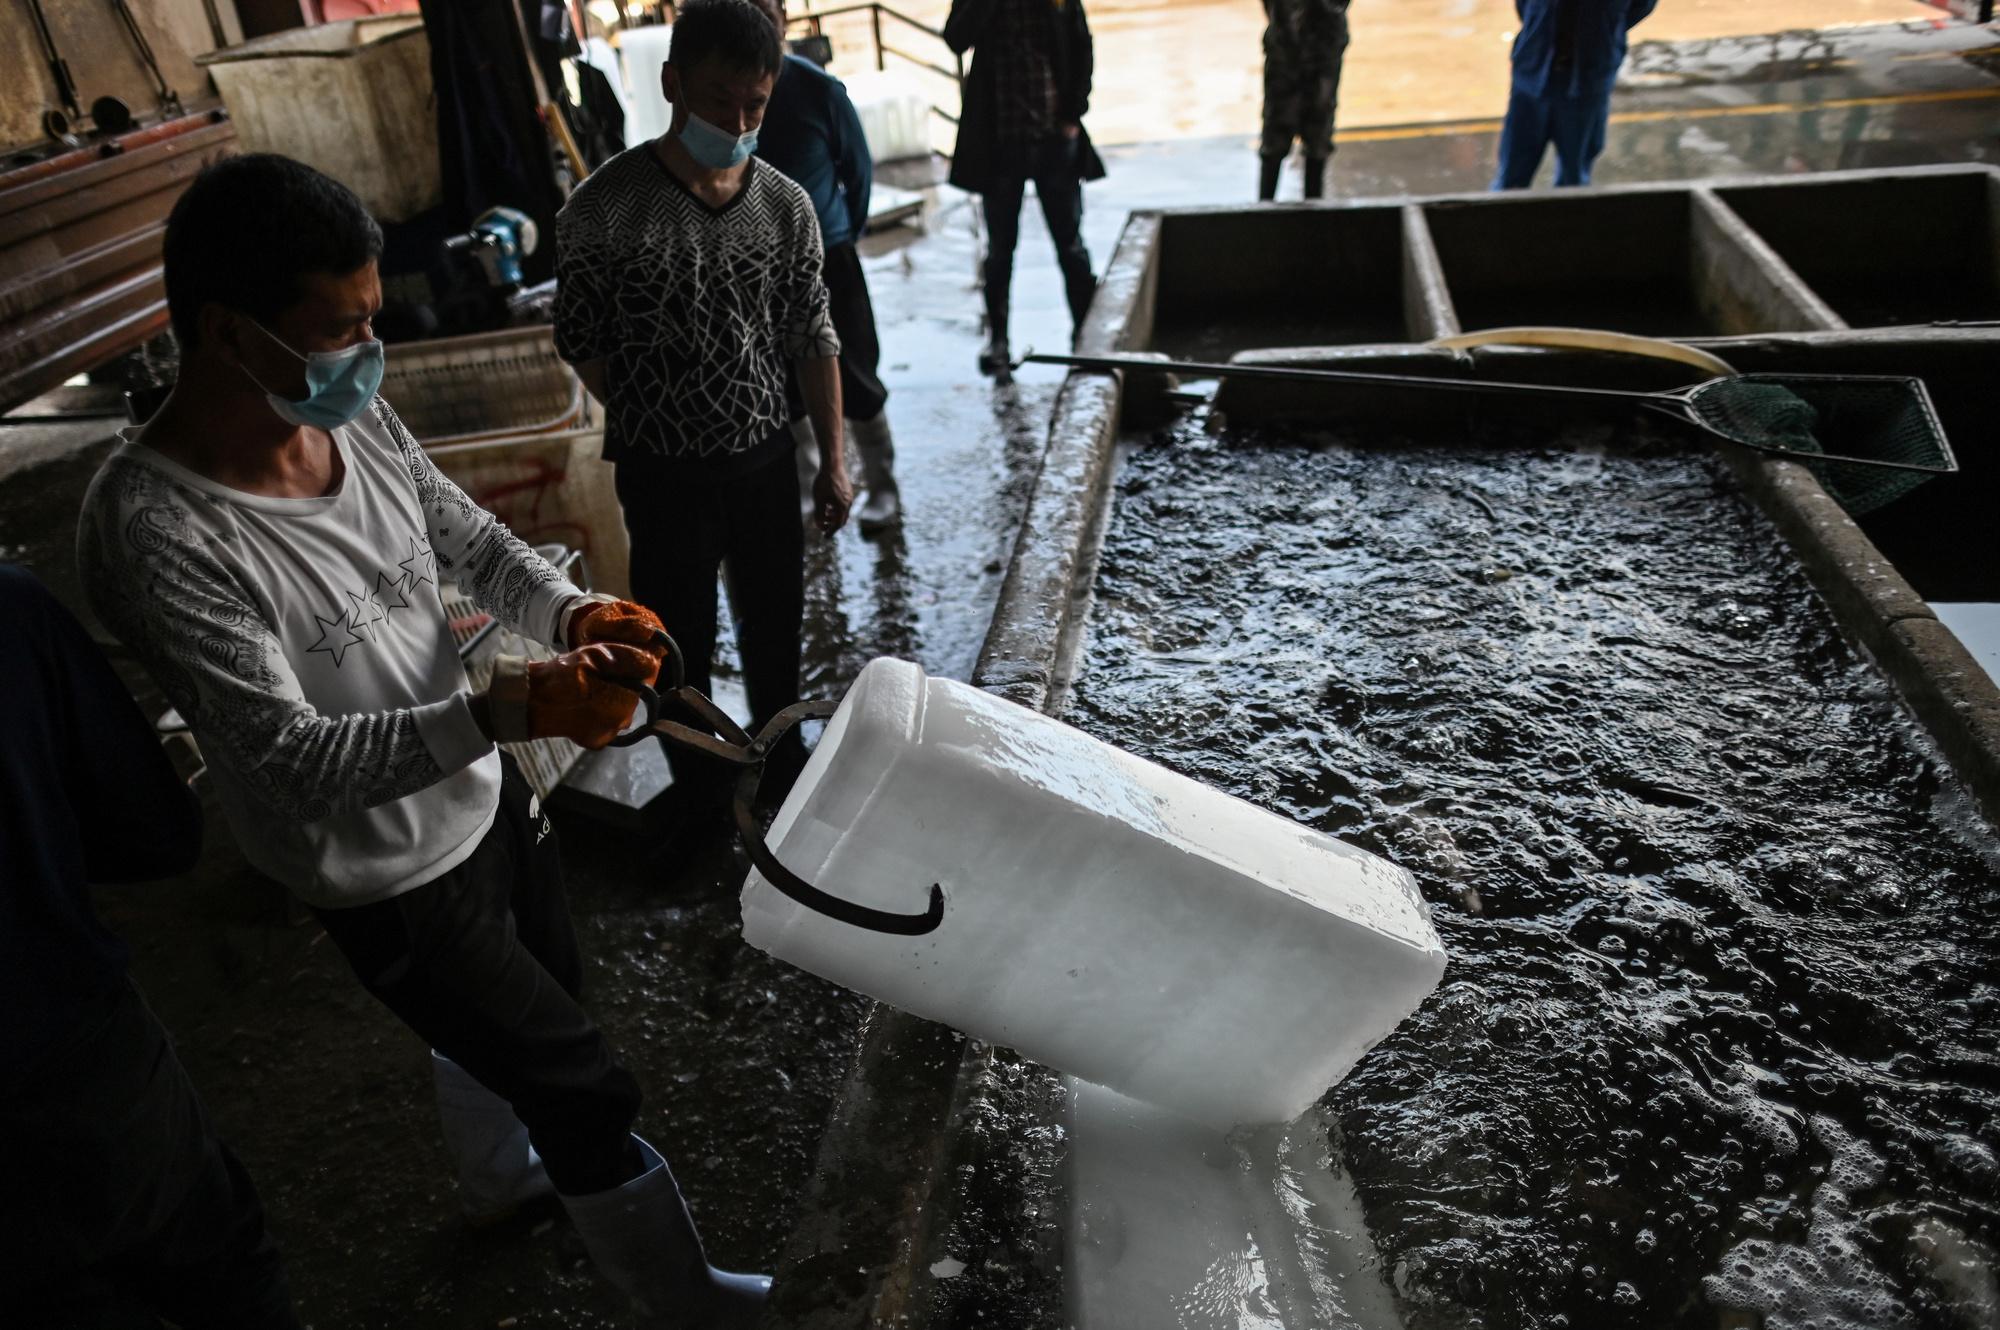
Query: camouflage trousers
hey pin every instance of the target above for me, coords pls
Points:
(1301, 89)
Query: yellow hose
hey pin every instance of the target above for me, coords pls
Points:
(1589, 339)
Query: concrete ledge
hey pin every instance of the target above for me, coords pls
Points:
(1954, 699)
(1863, 588)
(1023, 650)
(849, 1264)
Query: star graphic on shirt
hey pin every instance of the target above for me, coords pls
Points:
(421, 565)
(335, 637)
(389, 594)
(366, 611)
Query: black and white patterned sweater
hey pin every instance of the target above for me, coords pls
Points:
(304, 642)
(697, 311)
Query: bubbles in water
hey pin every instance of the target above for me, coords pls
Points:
(1716, 1027)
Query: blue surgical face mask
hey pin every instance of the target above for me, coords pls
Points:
(716, 149)
(339, 384)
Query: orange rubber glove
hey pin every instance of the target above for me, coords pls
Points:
(571, 697)
(614, 621)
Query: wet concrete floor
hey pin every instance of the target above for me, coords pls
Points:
(327, 1098)
(1193, 68)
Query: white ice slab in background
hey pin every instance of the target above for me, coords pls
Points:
(1176, 1225)
(644, 50)
(1977, 625)
(1105, 916)
(895, 113)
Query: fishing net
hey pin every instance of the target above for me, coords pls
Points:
(1868, 440)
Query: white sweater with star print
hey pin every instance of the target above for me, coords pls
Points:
(304, 642)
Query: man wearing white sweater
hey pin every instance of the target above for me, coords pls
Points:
(270, 545)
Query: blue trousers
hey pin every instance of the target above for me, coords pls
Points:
(1574, 124)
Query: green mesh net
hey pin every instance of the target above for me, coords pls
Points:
(1868, 440)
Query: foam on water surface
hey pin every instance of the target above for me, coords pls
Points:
(1715, 1047)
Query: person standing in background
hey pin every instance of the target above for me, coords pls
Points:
(1022, 120)
(1566, 60)
(691, 294)
(1304, 42)
(812, 133)
(117, 1186)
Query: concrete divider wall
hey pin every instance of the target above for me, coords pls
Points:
(1741, 283)
(1427, 309)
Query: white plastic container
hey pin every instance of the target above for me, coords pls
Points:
(351, 99)
(1103, 915)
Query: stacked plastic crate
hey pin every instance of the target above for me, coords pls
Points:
(510, 424)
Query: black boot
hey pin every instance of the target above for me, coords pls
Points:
(1267, 178)
(1081, 289)
(995, 361)
(1315, 177)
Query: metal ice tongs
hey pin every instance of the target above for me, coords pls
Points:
(726, 741)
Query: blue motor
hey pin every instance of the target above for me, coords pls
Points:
(499, 239)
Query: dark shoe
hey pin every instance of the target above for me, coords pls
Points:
(995, 362)
(1315, 177)
(1267, 178)
(1081, 291)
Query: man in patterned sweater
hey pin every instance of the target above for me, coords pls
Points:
(690, 279)
(270, 545)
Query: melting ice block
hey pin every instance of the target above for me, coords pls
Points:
(1103, 915)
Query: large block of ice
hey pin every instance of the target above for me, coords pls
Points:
(1103, 915)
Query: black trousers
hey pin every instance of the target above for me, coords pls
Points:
(862, 395)
(483, 963)
(1302, 89)
(685, 522)
(119, 1194)
(1058, 175)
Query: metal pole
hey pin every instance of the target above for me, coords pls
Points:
(881, 57)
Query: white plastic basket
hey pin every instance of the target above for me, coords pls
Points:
(481, 640)
(453, 390)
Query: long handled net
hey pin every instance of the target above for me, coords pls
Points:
(1868, 440)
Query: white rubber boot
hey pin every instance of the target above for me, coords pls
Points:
(883, 506)
(644, 1241)
(807, 451)
(498, 1171)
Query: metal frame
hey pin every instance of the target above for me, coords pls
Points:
(812, 19)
